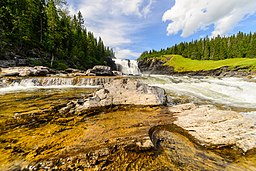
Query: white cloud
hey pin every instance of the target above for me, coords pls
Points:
(190, 16)
(115, 21)
(126, 54)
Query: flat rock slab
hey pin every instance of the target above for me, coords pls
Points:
(214, 127)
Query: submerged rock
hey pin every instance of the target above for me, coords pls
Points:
(179, 148)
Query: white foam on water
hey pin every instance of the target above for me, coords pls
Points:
(28, 84)
(234, 92)
(32, 88)
(250, 115)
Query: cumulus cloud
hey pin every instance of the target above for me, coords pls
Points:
(190, 16)
(115, 21)
(126, 54)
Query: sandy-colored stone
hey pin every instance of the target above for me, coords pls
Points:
(124, 92)
(25, 71)
(212, 126)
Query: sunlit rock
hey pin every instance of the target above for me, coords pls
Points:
(214, 127)
(25, 71)
(123, 92)
(100, 70)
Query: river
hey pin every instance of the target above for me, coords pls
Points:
(42, 136)
(229, 92)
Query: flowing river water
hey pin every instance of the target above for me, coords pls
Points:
(31, 133)
(231, 92)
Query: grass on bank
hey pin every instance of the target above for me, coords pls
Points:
(182, 64)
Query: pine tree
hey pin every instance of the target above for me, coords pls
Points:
(240, 45)
(44, 28)
(52, 25)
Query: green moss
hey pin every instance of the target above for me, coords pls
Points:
(182, 64)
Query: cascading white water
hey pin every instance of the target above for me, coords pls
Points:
(127, 67)
(24, 84)
(234, 92)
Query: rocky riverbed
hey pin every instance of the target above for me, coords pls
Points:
(126, 125)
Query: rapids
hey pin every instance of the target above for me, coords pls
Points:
(8, 85)
(33, 132)
(230, 92)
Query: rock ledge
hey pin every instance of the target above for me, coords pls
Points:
(214, 127)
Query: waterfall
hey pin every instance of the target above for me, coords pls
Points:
(127, 67)
(23, 84)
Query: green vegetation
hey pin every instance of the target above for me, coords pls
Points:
(182, 64)
(240, 45)
(43, 32)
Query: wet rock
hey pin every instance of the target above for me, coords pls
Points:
(178, 148)
(68, 107)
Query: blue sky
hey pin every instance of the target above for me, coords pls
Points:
(131, 27)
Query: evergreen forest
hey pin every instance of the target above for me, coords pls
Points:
(240, 45)
(43, 32)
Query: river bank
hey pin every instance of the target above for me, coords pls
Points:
(179, 66)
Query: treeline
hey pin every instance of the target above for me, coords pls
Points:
(43, 32)
(240, 45)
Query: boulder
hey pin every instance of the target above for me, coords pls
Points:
(100, 70)
(123, 92)
(40, 71)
